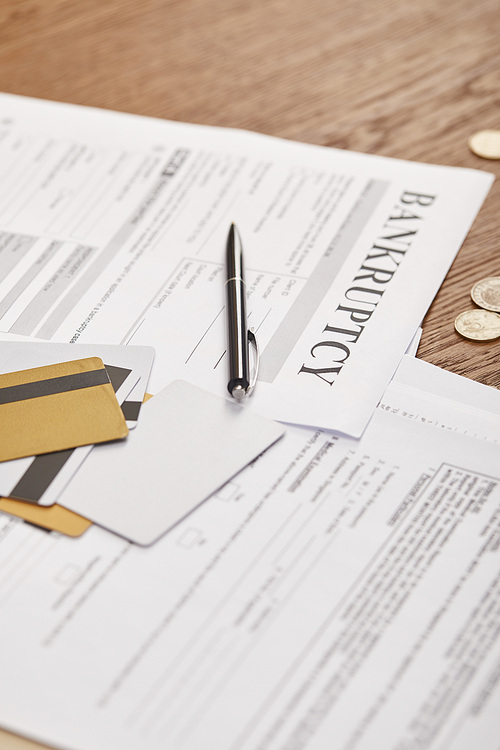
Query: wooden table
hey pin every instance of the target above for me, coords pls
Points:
(392, 77)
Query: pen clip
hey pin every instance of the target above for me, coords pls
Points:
(253, 378)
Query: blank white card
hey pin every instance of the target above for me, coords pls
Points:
(187, 444)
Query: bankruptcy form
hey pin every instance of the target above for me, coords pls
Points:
(335, 594)
(113, 229)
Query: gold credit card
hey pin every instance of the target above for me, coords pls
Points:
(57, 407)
(10, 741)
(53, 518)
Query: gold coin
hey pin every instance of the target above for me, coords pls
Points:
(479, 325)
(486, 293)
(486, 144)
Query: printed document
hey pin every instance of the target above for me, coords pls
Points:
(335, 595)
(113, 230)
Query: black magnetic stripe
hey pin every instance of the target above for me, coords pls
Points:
(43, 470)
(117, 375)
(131, 410)
(39, 475)
(49, 387)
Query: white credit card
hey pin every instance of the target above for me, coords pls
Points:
(187, 444)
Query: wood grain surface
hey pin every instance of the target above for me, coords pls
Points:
(391, 77)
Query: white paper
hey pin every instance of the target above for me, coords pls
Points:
(425, 393)
(337, 595)
(188, 445)
(414, 343)
(115, 226)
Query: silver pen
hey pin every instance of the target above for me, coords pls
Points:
(241, 381)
